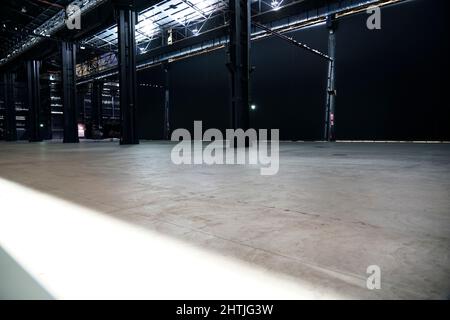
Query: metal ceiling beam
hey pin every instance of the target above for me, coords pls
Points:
(292, 41)
(188, 3)
(49, 27)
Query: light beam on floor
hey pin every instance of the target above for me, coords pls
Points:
(77, 253)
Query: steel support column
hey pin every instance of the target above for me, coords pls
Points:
(34, 100)
(166, 102)
(126, 21)
(96, 105)
(68, 52)
(10, 107)
(239, 62)
(329, 134)
(82, 91)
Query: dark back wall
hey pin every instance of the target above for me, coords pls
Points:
(289, 85)
(150, 93)
(199, 90)
(390, 82)
(288, 89)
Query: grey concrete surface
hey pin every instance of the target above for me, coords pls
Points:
(330, 212)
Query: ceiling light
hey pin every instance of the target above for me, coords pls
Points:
(275, 4)
(147, 27)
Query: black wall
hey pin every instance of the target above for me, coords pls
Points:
(288, 88)
(289, 85)
(199, 90)
(151, 103)
(390, 82)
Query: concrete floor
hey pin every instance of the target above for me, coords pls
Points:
(330, 212)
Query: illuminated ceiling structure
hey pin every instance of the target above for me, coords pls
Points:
(191, 18)
(174, 20)
(47, 28)
(185, 17)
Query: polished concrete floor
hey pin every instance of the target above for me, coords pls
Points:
(330, 212)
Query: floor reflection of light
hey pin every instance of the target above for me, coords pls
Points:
(75, 253)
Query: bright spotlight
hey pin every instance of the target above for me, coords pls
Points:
(275, 4)
(147, 27)
(253, 107)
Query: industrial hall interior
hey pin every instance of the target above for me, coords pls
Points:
(224, 150)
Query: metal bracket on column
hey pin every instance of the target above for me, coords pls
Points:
(126, 21)
(34, 101)
(239, 62)
(10, 107)
(68, 52)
